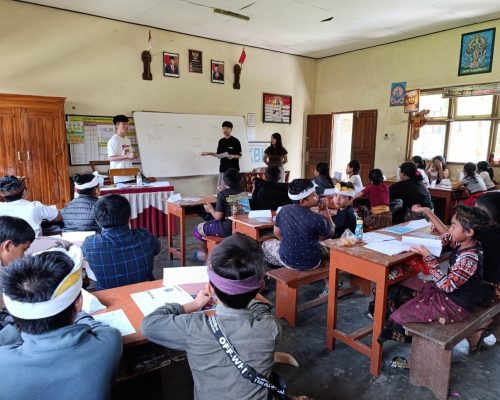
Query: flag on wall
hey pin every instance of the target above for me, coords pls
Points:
(150, 43)
(243, 56)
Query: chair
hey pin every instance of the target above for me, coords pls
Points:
(94, 164)
(123, 172)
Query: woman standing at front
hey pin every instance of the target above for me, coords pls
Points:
(276, 155)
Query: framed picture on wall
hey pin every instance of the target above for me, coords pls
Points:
(217, 71)
(412, 100)
(171, 64)
(398, 90)
(195, 61)
(277, 108)
(476, 52)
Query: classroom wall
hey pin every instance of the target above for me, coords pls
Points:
(96, 64)
(361, 80)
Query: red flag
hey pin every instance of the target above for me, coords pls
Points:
(150, 43)
(242, 57)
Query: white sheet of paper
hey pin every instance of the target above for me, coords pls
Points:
(159, 184)
(338, 175)
(329, 192)
(373, 237)
(184, 275)
(222, 155)
(75, 237)
(418, 223)
(90, 303)
(120, 185)
(260, 214)
(390, 247)
(191, 199)
(116, 319)
(433, 184)
(433, 245)
(150, 300)
(174, 197)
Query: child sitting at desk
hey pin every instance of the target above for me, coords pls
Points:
(60, 353)
(472, 183)
(12, 190)
(118, 255)
(352, 171)
(79, 214)
(344, 213)
(486, 172)
(236, 275)
(299, 230)
(269, 194)
(380, 215)
(322, 178)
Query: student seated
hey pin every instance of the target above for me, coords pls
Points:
(322, 178)
(236, 275)
(410, 190)
(269, 194)
(344, 216)
(299, 230)
(79, 214)
(61, 352)
(380, 215)
(420, 163)
(33, 212)
(118, 255)
(472, 181)
(352, 170)
(436, 169)
(486, 172)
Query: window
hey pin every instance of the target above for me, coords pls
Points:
(462, 129)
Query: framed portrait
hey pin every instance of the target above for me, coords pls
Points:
(476, 52)
(195, 61)
(277, 108)
(398, 90)
(412, 100)
(217, 71)
(171, 64)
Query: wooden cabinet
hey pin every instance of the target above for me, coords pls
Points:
(33, 144)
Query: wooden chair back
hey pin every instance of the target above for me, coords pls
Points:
(123, 172)
(94, 164)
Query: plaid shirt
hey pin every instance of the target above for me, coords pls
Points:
(121, 256)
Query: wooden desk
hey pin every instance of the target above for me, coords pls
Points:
(180, 209)
(367, 265)
(250, 226)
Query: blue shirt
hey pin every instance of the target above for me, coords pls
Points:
(301, 229)
(121, 256)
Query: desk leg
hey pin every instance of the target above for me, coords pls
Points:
(170, 239)
(331, 317)
(447, 207)
(378, 322)
(182, 238)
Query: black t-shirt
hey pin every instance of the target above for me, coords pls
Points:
(345, 219)
(232, 146)
(269, 195)
(223, 205)
(490, 241)
(411, 193)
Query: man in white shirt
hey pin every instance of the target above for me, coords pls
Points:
(33, 212)
(120, 154)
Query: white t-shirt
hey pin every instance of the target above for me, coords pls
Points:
(33, 212)
(356, 181)
(118, 146)
(487, 180)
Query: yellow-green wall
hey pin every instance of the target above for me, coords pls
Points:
(362, 80)
(95, 63)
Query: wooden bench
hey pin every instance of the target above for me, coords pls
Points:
(212, 242)
(432, 348)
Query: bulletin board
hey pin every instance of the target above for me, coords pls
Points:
(88, 135)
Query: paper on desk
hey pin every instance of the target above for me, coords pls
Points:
(373, 237)
(398, 229)
(433, 245)
(159, 184)
(418, 223)
(390, 247)
(116, 319)
(183, 275)
(260, 214)
(222, 155)
(191, 199)
(150, 300)
(120, 185)
(90, 303)
(174, 197)
(75, 237)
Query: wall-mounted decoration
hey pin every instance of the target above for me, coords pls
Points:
(398, 90)
(195, 61)
(277, 108)
(146, 60)
(238, 68)
(412, 99)
(171, 64)
(480, 89)
(476, 52)
(217, 71)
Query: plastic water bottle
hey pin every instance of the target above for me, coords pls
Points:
(359, 229)
(138, 179)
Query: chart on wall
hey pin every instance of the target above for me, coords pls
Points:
(88, 136)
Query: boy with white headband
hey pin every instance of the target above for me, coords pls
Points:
(236, 274)
(79, 214)
(344, 214)
(62, 353)
(12, 189)
(299, 229)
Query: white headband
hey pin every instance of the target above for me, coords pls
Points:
(93, 183)
(302, 195)
(344, 191)
(64, 295)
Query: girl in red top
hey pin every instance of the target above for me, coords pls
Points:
(380, 215)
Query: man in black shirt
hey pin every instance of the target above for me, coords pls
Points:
(228, 150)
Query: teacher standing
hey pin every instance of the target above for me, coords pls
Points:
(228, 150)
(120, 154)
(276, 155)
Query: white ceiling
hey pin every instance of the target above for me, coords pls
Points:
(293, 26)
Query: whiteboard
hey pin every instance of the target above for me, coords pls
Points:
(171, 144)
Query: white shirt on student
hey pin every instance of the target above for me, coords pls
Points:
(356, 181)
(33, 212)
(487, 180)
(118, 146)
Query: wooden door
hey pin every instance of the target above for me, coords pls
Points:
(364, 134)
(11, 146)
(318, 142)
